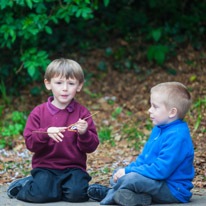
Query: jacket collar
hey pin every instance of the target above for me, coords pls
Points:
(170, 124)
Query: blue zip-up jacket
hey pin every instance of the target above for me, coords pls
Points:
(168, 155)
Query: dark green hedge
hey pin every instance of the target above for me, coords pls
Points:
(33, 31)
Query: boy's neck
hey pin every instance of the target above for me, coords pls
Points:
(169, 122)
(173, 119)
(59, 106)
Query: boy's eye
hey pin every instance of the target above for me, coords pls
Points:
(155, 106)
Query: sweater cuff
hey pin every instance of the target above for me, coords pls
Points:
(127, 170)
(44, 137)
(84, 136)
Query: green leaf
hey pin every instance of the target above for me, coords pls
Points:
(193, 78)
(86, 12)
(33, 50)
(102, 66)
(106, 3)
(128, 63)
(150, 53)
(118, 110)
(78, 13)
(159, 56)
(156, 34)
(54, 19)
(18, 127)
(41, 54)
(67, 19)
(13, 35)
(31, 71)
(77, 1)
(2, 146)
(108, 51)
(171, 71)
(73, 8)
(3, 4)
(29, 3)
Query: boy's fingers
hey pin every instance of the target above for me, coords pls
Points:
(56, 140)
(56, 137)
(81, 121)
(60, 134)
(63, 128)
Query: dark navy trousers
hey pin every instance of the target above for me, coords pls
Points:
(49, 185)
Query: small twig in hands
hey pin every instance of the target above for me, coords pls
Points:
(43, 132)
(91, 115)
(68, 126)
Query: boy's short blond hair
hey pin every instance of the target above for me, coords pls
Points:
(175, 95)
(64, 68)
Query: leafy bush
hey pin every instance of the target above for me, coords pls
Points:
(12, 127)
(105, 133)
(28, 29)
(33, 31)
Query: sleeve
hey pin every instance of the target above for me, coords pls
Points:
(172, 153)
(35, 141)
(139, 161)
(89, 141)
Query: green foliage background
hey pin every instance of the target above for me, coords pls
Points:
(34, 31)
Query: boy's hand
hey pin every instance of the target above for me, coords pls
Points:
(56, 133)
(82, 126)
(118, 174)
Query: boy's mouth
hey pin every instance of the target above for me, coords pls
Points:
(64, 96)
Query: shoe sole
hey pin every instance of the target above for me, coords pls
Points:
(97, 192)
(128, 198)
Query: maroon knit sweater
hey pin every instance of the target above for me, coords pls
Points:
(71, 152)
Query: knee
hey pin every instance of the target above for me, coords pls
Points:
(131, 180)
(133, 176)
(43, 196)
(76, 194)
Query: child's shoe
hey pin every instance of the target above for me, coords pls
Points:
(97, 192)
(16, 185)
(129, 198)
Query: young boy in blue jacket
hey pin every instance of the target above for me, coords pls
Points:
(164, 171)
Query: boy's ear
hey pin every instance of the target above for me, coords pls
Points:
(80, 87)
(47, 84)
(173, 112)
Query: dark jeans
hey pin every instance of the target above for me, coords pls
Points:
(49, 185)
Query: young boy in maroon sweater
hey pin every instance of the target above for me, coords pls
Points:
(59, 160)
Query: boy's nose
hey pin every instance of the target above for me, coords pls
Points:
(65, 86)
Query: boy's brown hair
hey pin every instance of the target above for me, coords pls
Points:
(64, 68)
(176, 95)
